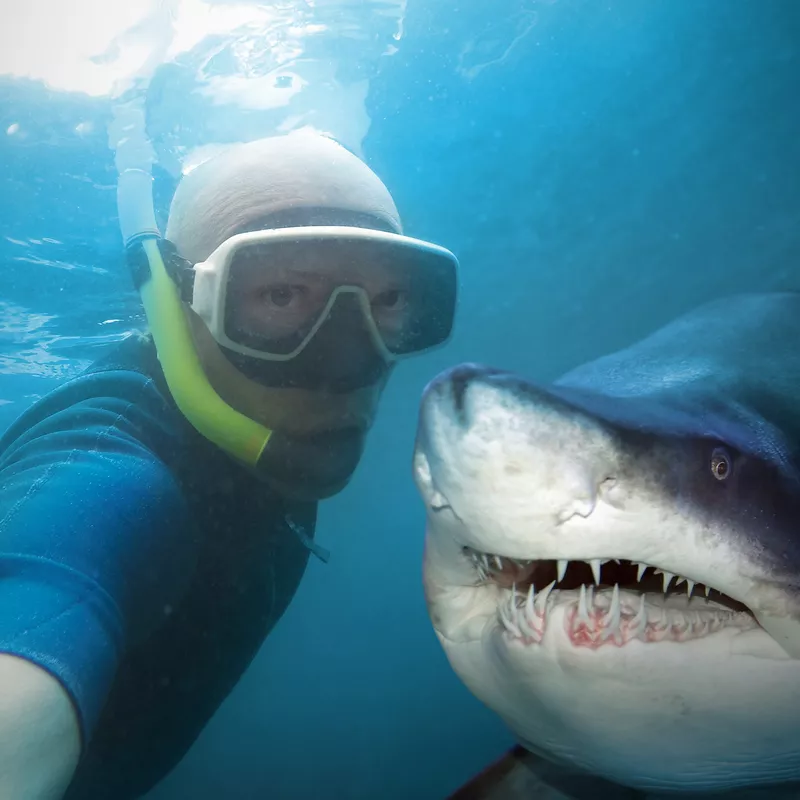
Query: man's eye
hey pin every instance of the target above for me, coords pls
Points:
(391, 300)
(280, 296)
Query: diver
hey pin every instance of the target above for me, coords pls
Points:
(158, 511)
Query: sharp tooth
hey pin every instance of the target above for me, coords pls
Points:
(485, 561)
(526, 626)
(498, 562)
(529, 601)
(562, 569)
(689, 587)
(595, 565)
(679, 580)
(541, 599)
(640, 570)
(590, 596)
(668, 576)
(583, 611)
(707, 590)
(476, 562)
(508, 624)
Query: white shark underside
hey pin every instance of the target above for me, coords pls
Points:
(612, 561)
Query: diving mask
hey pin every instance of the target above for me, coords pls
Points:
(265, 294)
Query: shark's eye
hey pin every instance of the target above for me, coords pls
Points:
(720, 464)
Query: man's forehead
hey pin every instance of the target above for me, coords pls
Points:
(284, 181)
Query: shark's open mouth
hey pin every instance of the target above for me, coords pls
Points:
(606, 602)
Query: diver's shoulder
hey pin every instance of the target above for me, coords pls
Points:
(135, 353)
(128, 371)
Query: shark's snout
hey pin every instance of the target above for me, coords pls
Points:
(486, 432)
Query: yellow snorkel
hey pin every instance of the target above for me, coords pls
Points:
(211, 416)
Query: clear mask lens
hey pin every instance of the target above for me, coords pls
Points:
(279, 293)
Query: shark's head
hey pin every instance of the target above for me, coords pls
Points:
(618, 577)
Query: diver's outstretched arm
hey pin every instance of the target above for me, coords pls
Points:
(39, 733)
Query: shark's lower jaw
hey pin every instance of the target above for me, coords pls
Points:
(604, 603)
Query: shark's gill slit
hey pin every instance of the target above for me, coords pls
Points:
(607, 601)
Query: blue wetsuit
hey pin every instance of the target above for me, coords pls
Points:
(139, 565)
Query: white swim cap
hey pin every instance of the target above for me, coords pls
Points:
(249, 186)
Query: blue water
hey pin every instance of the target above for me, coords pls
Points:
(599, 166)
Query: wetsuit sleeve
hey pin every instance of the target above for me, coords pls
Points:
(93, 542)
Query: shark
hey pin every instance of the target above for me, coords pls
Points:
(612, 558)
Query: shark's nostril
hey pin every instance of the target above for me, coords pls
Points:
(460, 379)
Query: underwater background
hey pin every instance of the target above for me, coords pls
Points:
(598, 166)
